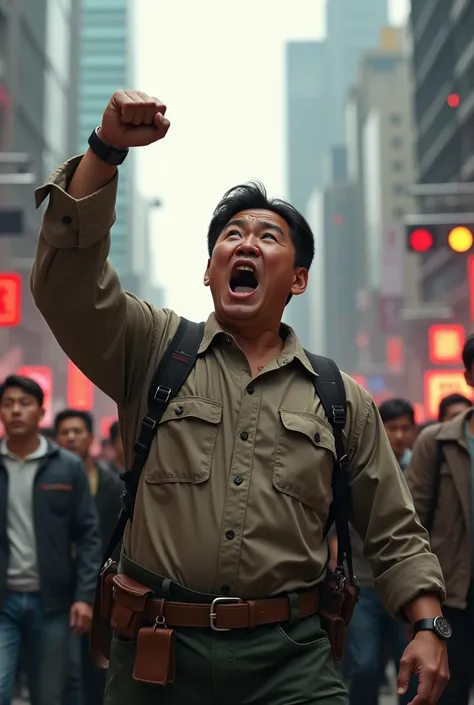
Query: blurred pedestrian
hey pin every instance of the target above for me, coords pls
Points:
(441, 479)
(75, 431)
(453, 405)
(227, 527)
(374, 637)
(45, 509)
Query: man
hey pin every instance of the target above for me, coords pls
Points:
(45, 509)
(453, 405)
(374, 637)
(234, 497)
(441, 479)
(75, 431)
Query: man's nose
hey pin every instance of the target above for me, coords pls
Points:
(248, 248)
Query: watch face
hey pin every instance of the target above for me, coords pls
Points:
(443, 627)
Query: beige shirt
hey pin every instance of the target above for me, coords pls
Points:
(235, 494)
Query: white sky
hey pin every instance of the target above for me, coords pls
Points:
(218, 66)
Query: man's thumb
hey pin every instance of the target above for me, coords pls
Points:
(406, 668)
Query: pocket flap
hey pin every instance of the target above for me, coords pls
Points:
(130, 593)
(197, 407)
(311, 426)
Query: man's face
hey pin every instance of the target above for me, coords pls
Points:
(454, 410)
(74, 436)
(401, 434)
(20, 413)
(251, 272)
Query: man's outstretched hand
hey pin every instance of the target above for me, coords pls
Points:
(133, 119)
(426, 656)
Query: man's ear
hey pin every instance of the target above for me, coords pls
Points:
(300, 281)
(207, 273)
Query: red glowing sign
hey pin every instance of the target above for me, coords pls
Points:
(105, 424)
(44, 377)
(10, 299)
(420, 414)
(421, 240)
(445, 343)
(394, 353)
(80, 390)
(438, 384)
(470, 279)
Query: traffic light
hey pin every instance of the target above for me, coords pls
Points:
(457, 237)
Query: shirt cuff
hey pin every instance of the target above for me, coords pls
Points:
(75, 223)
(409, 579)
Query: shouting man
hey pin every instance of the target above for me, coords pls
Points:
(220, 585)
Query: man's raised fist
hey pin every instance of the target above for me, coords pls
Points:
(133, 119)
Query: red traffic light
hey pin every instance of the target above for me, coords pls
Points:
(421, 240)
(453, 100)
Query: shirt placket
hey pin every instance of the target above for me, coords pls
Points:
(238, 491)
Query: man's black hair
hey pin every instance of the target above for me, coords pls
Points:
(49, 432)
(74, 414)
(392, 409)
(468, 353)
(27, 385)
(449, 401)
(114, 431)
(253, 196)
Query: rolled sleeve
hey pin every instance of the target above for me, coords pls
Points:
(383, 514)
(408, 579)
(75, 223)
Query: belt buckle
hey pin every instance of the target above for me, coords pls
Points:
(213, 613)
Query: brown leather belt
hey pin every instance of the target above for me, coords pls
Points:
(226, 613)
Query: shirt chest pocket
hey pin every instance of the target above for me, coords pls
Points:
(304, 458)
(185, 443)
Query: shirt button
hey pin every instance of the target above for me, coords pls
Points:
(244, 435)
(317, 437)
(230, 534)
(67, 220)
(179, 411)
(225, 589)
(250, 389)
(238, 480)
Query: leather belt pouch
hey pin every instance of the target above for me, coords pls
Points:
(101, 632)
(334, 625)
(129, 604)
(155, 656)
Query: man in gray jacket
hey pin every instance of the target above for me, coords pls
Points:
(50, 547)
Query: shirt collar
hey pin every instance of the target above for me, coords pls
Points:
(292, 348)
(40, 452)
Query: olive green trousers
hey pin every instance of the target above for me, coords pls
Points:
(285, 664)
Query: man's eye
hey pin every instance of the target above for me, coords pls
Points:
(269, 235)
(233, 232)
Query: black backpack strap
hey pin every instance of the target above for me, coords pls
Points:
(172, 372)
(436, 485)
(330, 389)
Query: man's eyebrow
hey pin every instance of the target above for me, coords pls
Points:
(264, 225)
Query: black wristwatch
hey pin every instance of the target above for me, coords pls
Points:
(439, 625)
(105, 152)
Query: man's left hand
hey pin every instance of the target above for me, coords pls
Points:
(80, 618)
(426, 656)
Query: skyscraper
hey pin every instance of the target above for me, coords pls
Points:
(316, 123)
(105, 66)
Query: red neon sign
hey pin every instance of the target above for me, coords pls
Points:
(445, 343)
(440, 383)
(80, 390)
(470, 279)
(44, 377)
(10, 299)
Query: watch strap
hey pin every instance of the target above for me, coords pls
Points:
(439, 625)
(106, 153)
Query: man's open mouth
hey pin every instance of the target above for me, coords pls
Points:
(243, 280)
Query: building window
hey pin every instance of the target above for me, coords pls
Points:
(396, 142)
(395, 119)
(397, 166)
(398, 213)
(398, 189)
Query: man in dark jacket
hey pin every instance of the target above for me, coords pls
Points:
(50, 548)
(74, 429)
